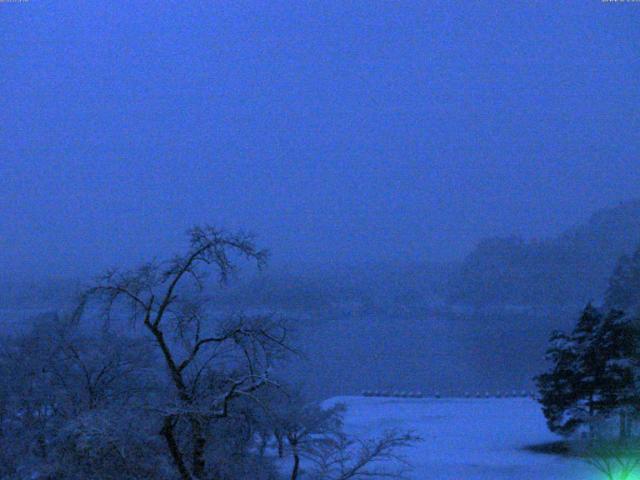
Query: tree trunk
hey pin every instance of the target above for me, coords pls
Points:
(590, 410)
(280, 441)
(197, 435)
(42, 444)
(623, 425)
(264, 439)
(296, 464)
(199, 443)
(172, 444)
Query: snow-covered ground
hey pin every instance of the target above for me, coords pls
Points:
(467, 439)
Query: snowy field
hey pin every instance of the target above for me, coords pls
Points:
(467, 439)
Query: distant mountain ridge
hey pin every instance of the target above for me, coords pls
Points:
(572, 268)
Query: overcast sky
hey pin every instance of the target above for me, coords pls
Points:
(336, 130)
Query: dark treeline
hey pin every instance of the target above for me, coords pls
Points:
(570, 269)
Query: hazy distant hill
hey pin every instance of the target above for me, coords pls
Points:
(572, 268)
(345, 290)
(306, 290)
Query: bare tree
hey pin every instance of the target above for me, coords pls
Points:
(209, 363)
(347, 458)
(314, 437)
(302, 426)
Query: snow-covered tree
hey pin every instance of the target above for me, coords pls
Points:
(188, 395)
(210, 361)
(618, 344)
(558, 388)
(78, 405)
(593, 373)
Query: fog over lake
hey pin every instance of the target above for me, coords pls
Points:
(218, 219)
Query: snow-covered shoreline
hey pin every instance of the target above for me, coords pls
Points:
(466, 439)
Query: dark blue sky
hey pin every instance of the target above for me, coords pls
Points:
(334, 130)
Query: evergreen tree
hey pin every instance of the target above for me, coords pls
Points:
(618, 343)
(593, 373)
(589, 365)
(558, 387)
